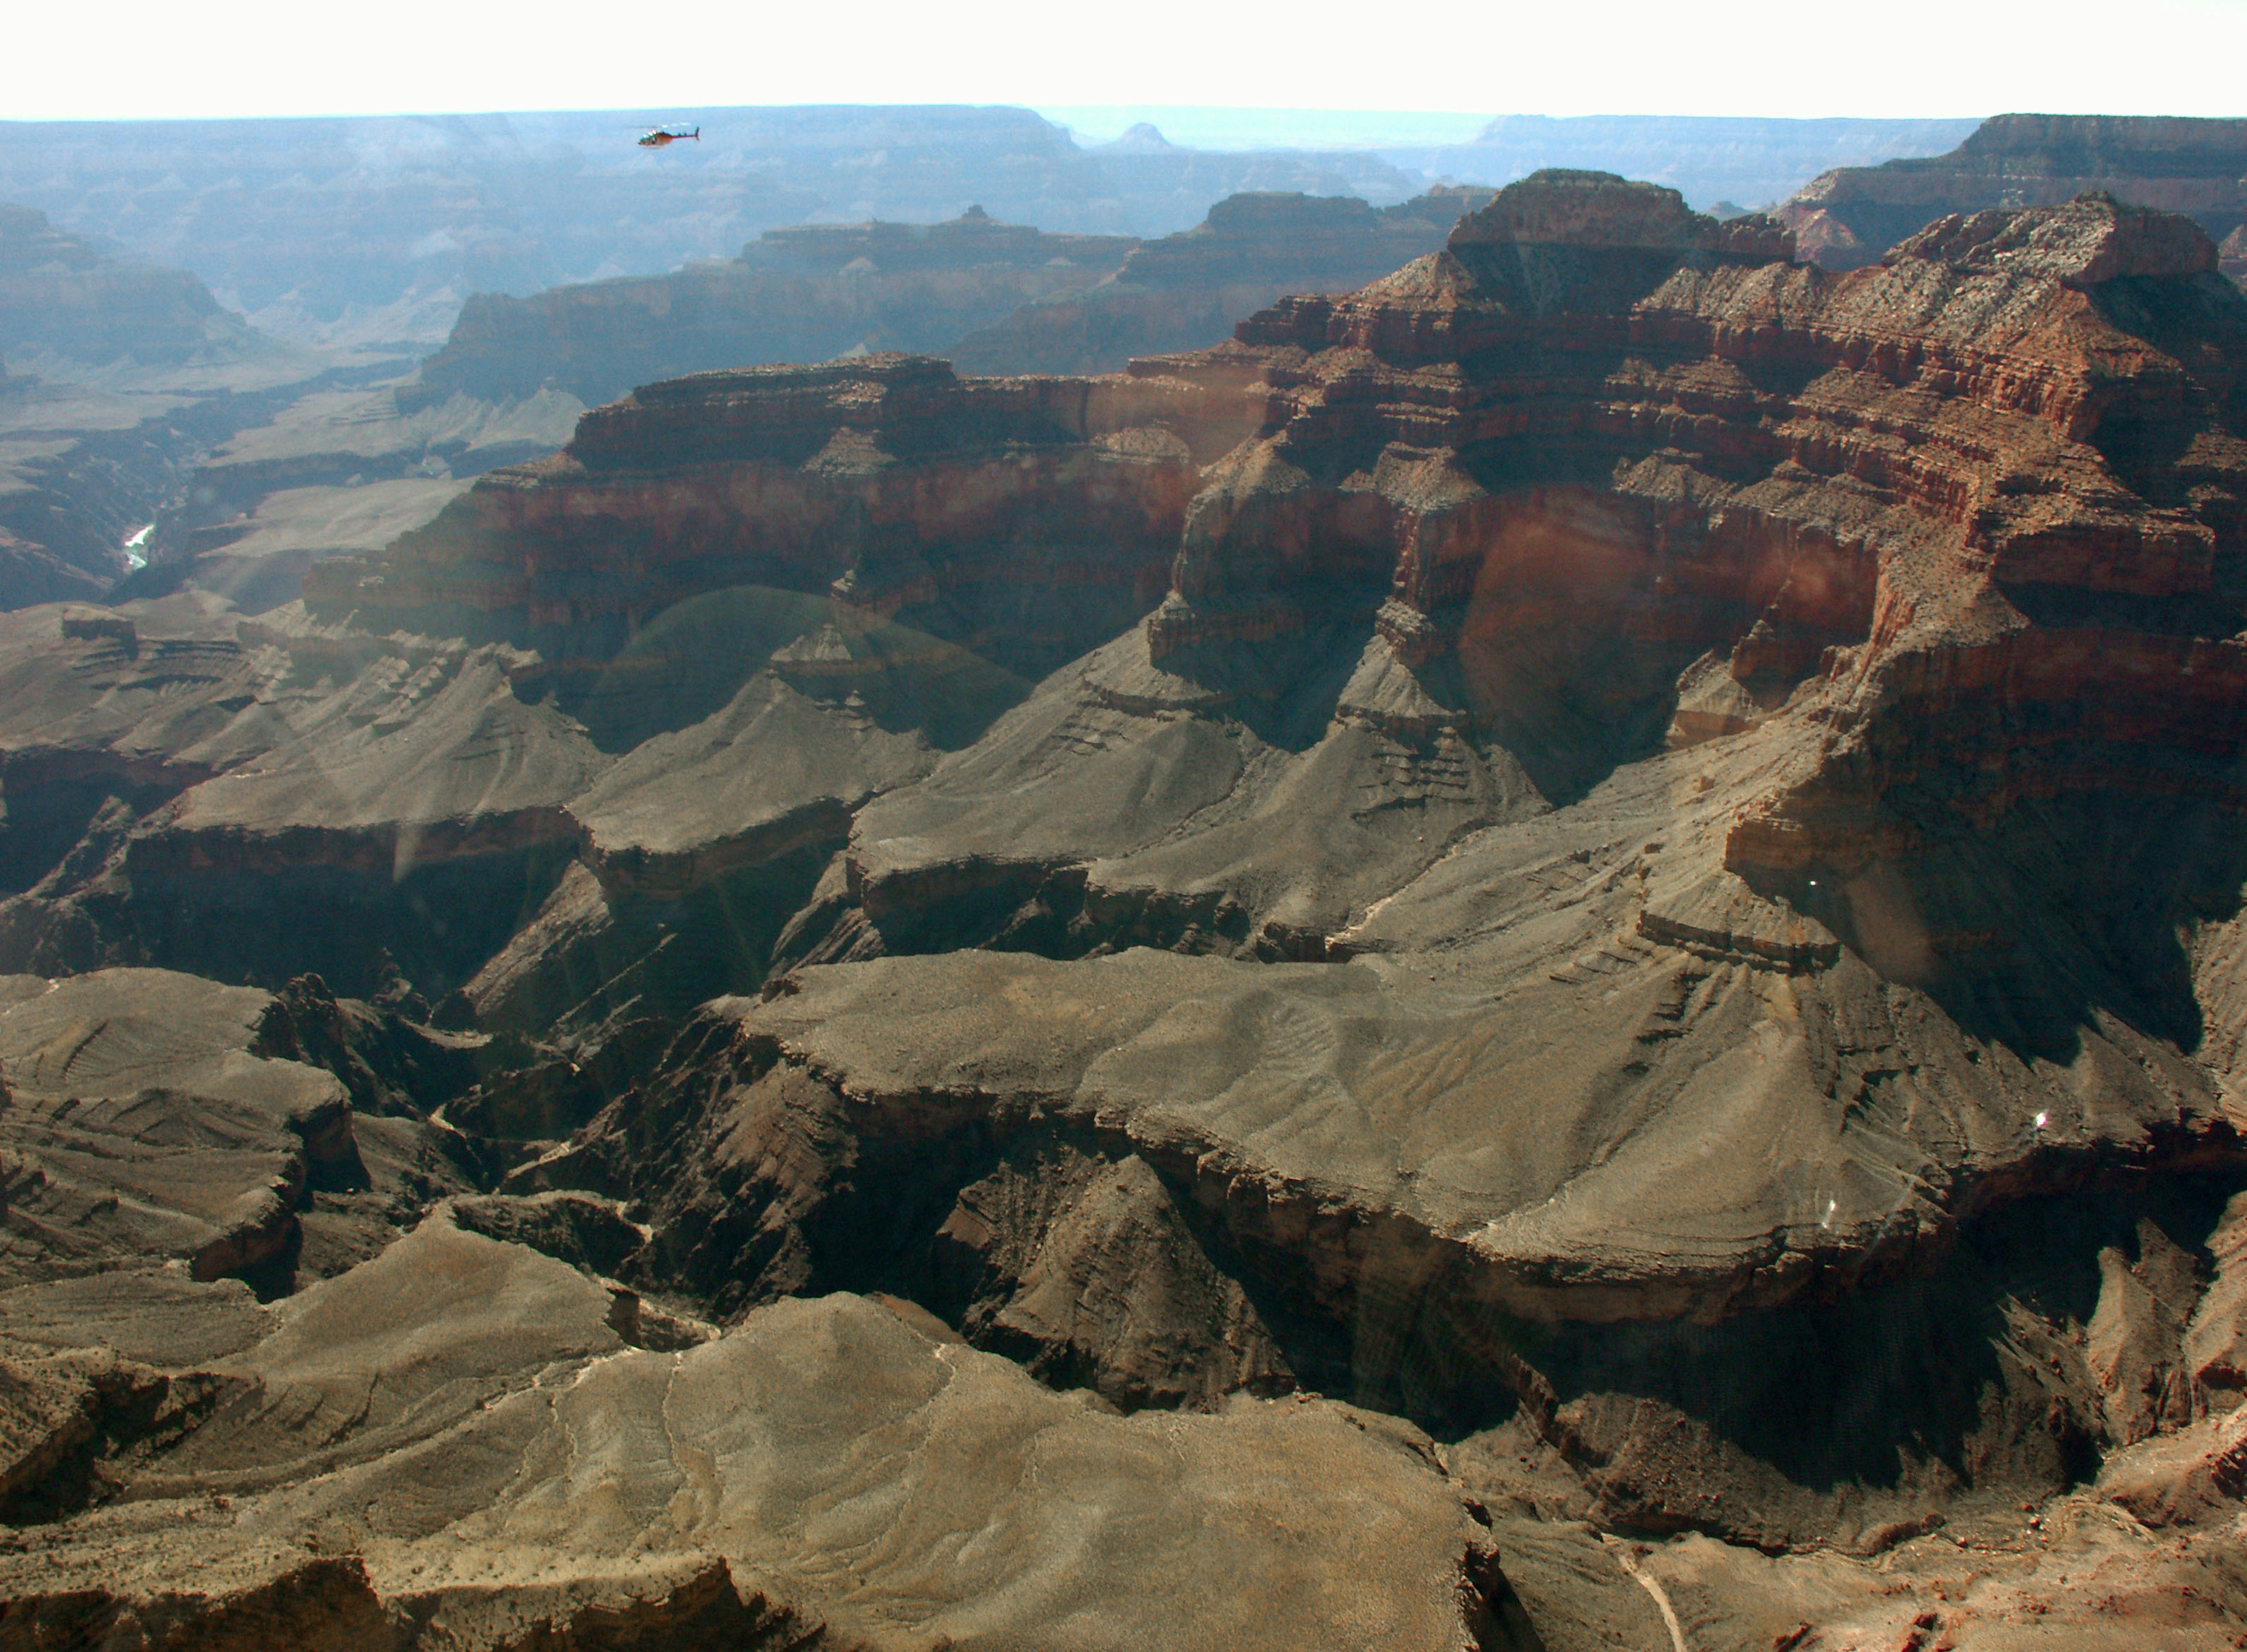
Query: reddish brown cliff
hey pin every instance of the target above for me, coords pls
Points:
(1981, 505)
(1596, 437)
(907, 490)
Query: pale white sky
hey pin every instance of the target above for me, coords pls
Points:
(1909, 58)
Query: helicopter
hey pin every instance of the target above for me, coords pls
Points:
(663, 135)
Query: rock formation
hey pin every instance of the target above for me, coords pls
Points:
(1850, 216)
(1186, 291)
(125, 373)
(370, 231)
(1615, 844)
(806, 294)
(59, 293)
(995, 298)
(823, 1474)
(330, 471)
(947, 503)
(1709, 159)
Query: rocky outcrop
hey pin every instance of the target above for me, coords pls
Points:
(804, 294)
(1515, 459)
(847, 1461)
(1615, 843)
(408, 815)
(59, 293)
(141, 1128)
(1412, 699)
(1851, 216)
(1186, 291)
(1536, 561)
(179, 762)
(923, 497)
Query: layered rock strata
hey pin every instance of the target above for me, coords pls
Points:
(1602, 480)
(402, 1464)
(59, 293)
(804, 294)
(1652, 887)
(268, 797)
(956, 505)
(1593, 442)
(161, 1127)
(1850, 216)
(1186, 291)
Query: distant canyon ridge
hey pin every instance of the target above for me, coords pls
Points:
(373, 230)
(140, 394)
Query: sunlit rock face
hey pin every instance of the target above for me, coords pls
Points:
(910, 491)
(1615, 843)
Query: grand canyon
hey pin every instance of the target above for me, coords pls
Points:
(1405, 900)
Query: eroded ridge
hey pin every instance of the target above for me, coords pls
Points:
(1616, 844)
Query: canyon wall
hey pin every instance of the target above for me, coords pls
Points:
(1616, 847)
(123, 374)
(808, 293)
(995, 298)
(1186, 291)
(915, 492)
(1850, 216)
(59, 293)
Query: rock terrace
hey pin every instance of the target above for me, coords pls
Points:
(1613, 843)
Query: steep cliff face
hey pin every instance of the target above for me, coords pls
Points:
(1186, 291)
(2005, 453)
(1622, 845)
(1602, 473)
(920, 495)
(1848, 217)
(806, 294)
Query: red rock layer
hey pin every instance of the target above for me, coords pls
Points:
(1980, 503)
(887, 478)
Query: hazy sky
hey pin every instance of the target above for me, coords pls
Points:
(1727, 56)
